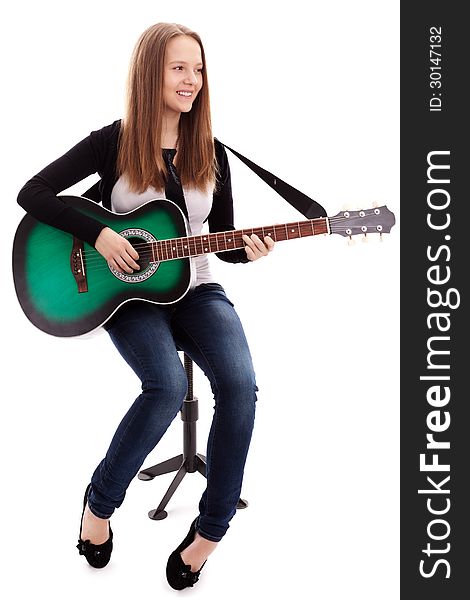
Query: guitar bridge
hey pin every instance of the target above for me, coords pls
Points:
(77, 264)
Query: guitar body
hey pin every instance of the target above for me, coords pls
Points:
(65, 286)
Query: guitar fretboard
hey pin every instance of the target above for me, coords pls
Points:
(231, 240)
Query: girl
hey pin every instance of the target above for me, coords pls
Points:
(163, 148)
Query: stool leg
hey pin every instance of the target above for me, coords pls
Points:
(167, 466)
(159, 513)
(201, 464)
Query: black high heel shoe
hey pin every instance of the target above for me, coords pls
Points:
(178, 574)
(97, 555)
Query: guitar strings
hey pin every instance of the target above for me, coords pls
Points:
(92, 255)
(332, 221)
(334, 228)
(94, 260)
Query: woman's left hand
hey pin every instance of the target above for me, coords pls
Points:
(255, 248)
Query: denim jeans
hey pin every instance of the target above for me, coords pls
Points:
(203, 324)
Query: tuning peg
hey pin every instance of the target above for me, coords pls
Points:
(365, 239)
(375, 204)
(351, 242)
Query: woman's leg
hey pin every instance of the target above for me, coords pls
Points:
(208, 329)
(142, 334)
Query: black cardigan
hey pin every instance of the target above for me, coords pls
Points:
(97, 153)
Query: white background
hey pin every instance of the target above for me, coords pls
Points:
(310, 91)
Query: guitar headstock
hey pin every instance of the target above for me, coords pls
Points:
(347, 223)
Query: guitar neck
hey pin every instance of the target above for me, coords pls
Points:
(231, 240)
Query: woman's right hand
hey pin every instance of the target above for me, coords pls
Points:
(117, 251)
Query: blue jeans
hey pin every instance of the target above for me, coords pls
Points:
(203, 324)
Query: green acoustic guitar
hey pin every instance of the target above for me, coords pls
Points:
(66, 288)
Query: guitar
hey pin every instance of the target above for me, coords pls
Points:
(66, 288)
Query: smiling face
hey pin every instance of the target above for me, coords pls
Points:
(182, 77)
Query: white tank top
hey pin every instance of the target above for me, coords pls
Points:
(198, 203)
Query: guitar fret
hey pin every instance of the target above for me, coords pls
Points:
(281, 232)
(192, 249)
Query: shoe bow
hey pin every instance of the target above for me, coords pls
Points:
(189, 576)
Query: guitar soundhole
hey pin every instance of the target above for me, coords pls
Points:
(142, 241)
(144, 251)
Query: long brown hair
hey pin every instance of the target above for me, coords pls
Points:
(140, 153)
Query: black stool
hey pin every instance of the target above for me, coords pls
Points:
(188, 462)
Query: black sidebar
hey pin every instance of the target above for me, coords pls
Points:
(435, 200)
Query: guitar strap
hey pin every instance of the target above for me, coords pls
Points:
(308, 207)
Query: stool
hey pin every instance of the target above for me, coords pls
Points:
(188, 462)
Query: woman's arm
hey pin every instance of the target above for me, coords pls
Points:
(39, 195)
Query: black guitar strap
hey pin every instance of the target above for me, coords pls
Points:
(308, 207)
